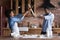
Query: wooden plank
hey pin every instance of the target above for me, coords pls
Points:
(11, 4)
(16, 7)
(7, 31)
(23, 6)
(35, 6)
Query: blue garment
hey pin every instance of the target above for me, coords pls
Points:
(14, 19)
(48, 21)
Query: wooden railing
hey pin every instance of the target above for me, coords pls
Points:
(7, 31)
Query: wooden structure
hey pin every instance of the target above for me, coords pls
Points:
(20, 6)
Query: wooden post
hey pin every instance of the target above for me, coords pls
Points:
(16, 7)
(1, 20)
(11, 4)
(29, 1)
(23, 6)
(35, 6)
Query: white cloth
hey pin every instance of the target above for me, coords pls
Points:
(15, 28)
(23, 28)
(50, 22)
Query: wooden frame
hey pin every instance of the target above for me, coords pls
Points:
(23, 5)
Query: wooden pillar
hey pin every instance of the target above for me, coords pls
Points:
(16, 7)
(23, 6)
(29, 1)
(11, 4)
(1, 20)
(35, 6)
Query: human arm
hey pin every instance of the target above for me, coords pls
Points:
(34, 14)
(20, 17)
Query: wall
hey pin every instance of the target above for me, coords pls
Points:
(5, 6)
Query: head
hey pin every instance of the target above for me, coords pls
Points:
(10, 13)
(47, 11)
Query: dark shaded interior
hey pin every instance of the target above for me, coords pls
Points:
(47, 4)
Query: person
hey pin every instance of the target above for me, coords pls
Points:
(13, 20)
(48, 18)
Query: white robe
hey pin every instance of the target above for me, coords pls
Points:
(15, 28)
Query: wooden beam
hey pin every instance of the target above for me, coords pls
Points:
(11, 4)
(1, 18)
(16, 7)
(29, 1)
(35, 6)
(23, 6)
